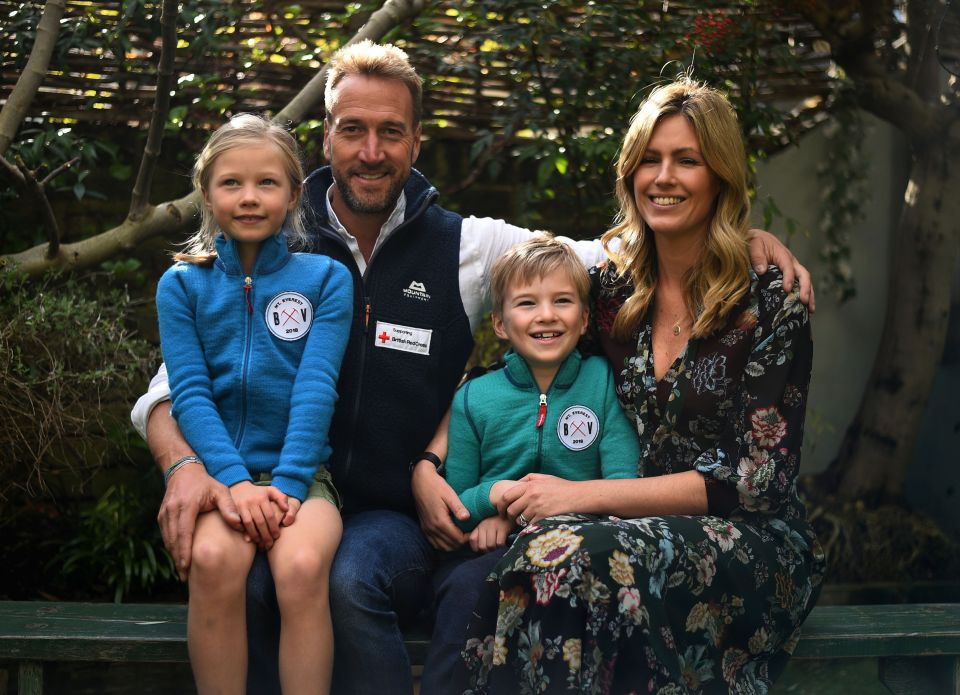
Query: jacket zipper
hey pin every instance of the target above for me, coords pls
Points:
(247, 349)
(362, 359)
(541, 418)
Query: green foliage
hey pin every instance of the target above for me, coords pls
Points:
(488, 348)
(117, 544)
(574, 73)
(43, 150)
(220, 49)
(845, 196)
(70, 366)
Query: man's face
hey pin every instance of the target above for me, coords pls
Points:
(371, 142)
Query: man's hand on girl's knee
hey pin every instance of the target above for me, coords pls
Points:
(191, 492)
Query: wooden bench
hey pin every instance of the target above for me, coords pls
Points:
(918, 645)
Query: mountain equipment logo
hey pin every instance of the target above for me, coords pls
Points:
(417, 290)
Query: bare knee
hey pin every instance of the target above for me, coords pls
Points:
(219, 562)
(301, 575)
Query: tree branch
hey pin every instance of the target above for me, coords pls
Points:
(158, 220)
(161, 107)
(175, 215)
(13, 171)
(389, 16)
(891, 100)
(27, 181)
(59, 170)
(880, 90)
(923, 69)
(49, 220)
(14, 111)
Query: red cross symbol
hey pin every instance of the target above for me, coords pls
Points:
(578, 428)
(292, 314)
(383, 337)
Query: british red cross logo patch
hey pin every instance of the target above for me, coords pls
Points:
(289, 316)
(410, 339)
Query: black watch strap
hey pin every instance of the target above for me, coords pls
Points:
(432, 458)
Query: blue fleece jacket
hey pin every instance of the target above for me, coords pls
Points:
(253, 361)
(494, 434)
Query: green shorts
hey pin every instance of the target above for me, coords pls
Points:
(321, 489)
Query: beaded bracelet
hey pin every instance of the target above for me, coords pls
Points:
(180, 462)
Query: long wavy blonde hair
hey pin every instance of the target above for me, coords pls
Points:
(720, 276)
(244, 130)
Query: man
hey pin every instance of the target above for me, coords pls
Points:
(420, 290)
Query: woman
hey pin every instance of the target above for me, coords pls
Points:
(696, 575)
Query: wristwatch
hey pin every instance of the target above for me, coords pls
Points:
(432, 458)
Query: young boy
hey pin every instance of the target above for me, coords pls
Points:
(549, 410)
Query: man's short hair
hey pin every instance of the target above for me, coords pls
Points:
(535, 258)
(373, 60)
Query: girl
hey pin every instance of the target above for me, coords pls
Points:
(253, 337)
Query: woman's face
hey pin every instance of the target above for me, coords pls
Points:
(674, 188)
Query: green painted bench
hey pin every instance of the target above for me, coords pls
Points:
(918, 645)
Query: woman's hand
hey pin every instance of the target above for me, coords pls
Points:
(490, 534)
(496, 494)
(537, 496)
(261, 507)
(765, 248)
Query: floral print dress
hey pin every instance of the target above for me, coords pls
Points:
(673, 604)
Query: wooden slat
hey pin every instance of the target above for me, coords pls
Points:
(124, 82)
(112, 632)
(45, 631)
(92, 631)
(833, 632)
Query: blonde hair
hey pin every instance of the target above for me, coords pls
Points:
(536, 258)
(244, 130)
(373, 60)
(720, 276)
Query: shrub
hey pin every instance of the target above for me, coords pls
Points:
(116, 546)
(70, 366)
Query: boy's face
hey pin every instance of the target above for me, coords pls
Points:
(543, 320)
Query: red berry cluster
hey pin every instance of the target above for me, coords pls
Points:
(712, 31)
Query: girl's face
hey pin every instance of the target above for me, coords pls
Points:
(249, 193)
(674, 188)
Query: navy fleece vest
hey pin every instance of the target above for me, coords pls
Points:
(391, 400)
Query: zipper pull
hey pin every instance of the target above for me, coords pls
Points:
(366, 314)
(247, 286)
(542, 412)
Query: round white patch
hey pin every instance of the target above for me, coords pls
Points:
(289, 316)
(578, 427)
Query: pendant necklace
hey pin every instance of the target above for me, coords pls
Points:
(676, 327)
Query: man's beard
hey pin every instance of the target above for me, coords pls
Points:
(384, 204)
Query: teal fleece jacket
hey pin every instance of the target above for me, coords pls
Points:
(253, 362)
(494, 434)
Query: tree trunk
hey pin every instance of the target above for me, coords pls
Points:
(879, 444)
